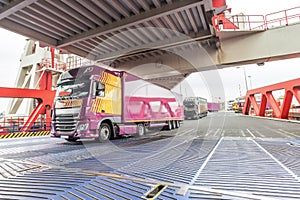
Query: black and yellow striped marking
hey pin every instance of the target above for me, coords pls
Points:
(155, 192)
(25, 134)
(110, 79)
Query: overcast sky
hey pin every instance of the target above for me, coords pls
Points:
(12, 45)
(233, 78)
(271, 72)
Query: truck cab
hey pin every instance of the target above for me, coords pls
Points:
(71, 102)
(195, 107)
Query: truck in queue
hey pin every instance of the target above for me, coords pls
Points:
(95, 102)
(213, 106)
(195, 107)
(238, 106)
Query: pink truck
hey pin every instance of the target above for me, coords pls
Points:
(94, 102)
(213, 107)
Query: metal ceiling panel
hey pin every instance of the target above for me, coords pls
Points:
(108, 29)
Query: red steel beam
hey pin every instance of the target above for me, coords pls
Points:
(292, 89)
(45, 100)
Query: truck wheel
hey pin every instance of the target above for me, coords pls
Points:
(177, 124)
(141, 130)
(104, 132)
(174, 124)
(169, 126)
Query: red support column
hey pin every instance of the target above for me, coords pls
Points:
(288, 97)
(273, 104)
(40, 109)
(296, 92)
(254, 104)
(246, 106)
(263, 104)
(52, 51)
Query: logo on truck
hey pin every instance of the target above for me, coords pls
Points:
(87, 70)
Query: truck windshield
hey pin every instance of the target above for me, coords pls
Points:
(189, 102)
(73, 89)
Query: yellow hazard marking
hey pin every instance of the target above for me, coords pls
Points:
(111, 103)
(25, 134)
(110, 79)
(155, 192)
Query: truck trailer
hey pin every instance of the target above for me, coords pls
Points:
(213, 106)
(94, 102)
(195, 107)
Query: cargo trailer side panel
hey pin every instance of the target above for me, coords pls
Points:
(144, 101)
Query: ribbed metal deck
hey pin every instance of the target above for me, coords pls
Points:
(194, 163)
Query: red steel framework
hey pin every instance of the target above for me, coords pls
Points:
(292, 89)
(44, 99)
(44, 96)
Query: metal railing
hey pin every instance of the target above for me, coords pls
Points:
(15, 124)
(76, 61)
(282, 18)
(248, 22)
(58, 65)
(257, 22)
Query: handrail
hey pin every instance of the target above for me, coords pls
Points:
(257, 22)
(15, 124)
(285, 17)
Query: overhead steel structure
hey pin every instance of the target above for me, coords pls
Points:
(118, 31)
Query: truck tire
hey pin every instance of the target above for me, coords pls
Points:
(169, 126)
(104, 133)
(141, 130)
(173, 124)
(177, 124)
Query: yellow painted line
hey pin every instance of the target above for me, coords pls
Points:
(153, 120)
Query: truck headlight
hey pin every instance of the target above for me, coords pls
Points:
(82, 127)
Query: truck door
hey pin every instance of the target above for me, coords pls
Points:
(107, 95)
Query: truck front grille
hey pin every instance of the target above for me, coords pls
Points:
(66, 123)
